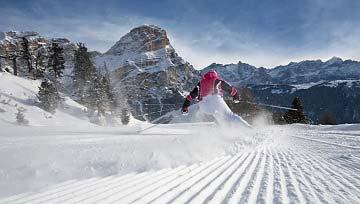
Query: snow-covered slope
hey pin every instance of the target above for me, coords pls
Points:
(17, 93)
(274, 164)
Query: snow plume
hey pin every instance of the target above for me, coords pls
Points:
(262, 119)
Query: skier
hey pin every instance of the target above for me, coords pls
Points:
(209, 92)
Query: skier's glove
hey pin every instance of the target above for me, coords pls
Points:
(184, 110)
(236, 98)
(235, 95)
(185, 107)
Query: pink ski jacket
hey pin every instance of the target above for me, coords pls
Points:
(210, 84)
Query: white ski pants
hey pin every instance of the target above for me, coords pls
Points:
(216, 106)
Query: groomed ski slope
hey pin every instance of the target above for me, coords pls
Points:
(271, 164)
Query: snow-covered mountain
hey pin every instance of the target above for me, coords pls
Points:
(12, 46)
(241, 73)
(314, 71)
(145, 67)
(294, 73)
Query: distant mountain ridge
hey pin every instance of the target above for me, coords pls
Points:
(307, 71)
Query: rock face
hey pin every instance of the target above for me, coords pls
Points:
(141, 39)
(147, 70)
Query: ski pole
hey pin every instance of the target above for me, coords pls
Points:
(161, 104)
(148, 127)
(151, 113)
(268, 105)
(169, 110)
(152, 126)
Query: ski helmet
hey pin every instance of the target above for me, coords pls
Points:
(211, 74)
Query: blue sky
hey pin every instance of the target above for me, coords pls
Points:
(262, 33)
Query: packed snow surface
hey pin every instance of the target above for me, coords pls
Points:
(181, 163)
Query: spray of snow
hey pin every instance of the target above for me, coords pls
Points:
(262, 119)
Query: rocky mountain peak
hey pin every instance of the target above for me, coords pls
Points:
(144, 38)
(146, 69)
(18, 34)
(11, 36)
(334, 60)
(21, 34)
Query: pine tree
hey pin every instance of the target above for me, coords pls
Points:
(20, 118)
(25, 53)
(295, 116)
(125, 116)
(84, 72)
(48, 96)
(15, 68)
(92, 88)
(56, 61)
(40, 62)
(109, 91)
(98, 99)
(11, 53)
